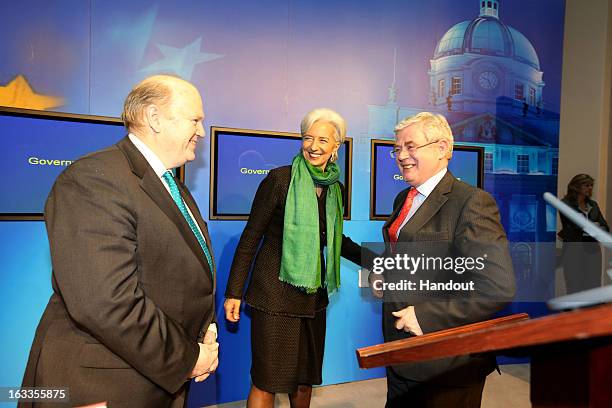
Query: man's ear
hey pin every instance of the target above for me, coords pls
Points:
(444, 147)
(152, 117)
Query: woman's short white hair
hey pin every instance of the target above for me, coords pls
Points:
(434, 126)
(325, 115)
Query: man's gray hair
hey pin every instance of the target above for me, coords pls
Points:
(155, 90)
(434, 126)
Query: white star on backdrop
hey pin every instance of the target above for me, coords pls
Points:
(181, 61)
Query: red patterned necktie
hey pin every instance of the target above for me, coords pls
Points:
(395, 226)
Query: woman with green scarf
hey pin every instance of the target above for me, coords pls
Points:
(297, 212)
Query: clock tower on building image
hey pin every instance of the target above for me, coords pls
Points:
(479, 61)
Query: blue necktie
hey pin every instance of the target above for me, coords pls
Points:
(176, 196)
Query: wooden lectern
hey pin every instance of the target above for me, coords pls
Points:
(571, 352)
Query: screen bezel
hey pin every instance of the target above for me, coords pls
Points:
(65, 117)
(374, 143)
(214, 132)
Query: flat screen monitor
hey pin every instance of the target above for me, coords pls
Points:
(241, 159)
(467, 164)
(37, 146)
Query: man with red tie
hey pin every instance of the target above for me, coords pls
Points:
(440, 216)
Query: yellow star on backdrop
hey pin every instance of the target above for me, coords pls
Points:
(19, 94)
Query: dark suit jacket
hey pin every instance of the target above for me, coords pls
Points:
(132, 290)
(581, 255)
(266, 292)
(572, 232)
(456, 219)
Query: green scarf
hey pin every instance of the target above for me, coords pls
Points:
(301, 258)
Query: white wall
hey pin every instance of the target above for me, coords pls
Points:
(584, 140)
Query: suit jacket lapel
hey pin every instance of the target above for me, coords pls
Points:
(190, 202)
(154, 188)
(394, 214)
(430, 206)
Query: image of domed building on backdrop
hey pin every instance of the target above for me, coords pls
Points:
(485, 78)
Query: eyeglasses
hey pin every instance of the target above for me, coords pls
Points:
(397, 150)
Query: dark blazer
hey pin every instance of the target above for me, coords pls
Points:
(581, 254)
(265, 291)
(132, 290)
(456, 219)
(571, 232)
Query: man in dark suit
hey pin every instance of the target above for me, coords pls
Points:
(131, 318)
(440, 216)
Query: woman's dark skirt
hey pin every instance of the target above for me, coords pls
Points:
(581, 265)
(286, 351)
